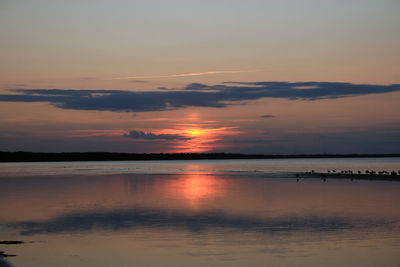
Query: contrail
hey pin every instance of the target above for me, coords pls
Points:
(180, 75)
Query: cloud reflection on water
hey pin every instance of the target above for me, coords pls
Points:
(195, 223)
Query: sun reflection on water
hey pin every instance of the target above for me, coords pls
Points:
(196, 189)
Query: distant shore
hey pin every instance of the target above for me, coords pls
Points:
(109, 156)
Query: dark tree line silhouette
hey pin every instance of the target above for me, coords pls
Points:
(21, 156)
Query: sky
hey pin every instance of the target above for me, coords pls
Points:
(272, 77)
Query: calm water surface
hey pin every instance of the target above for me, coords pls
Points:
(198, 213)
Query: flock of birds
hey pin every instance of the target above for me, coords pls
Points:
(353, 174)
(366, 172)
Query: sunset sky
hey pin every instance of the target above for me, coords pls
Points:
(272, 77)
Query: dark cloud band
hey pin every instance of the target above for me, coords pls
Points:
(151, 136)
(197, 95)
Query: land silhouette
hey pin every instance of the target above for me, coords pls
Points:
(21, 156)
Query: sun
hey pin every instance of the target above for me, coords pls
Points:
(195, 132)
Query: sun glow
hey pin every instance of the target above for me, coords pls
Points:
(198, 135)
(201, 138)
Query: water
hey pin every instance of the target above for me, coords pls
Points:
(274, 167)
(198, 213)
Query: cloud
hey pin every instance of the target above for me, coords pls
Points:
(180, 75)
(193, 95)
(267, 116)
(4, 263)
(151, 136)
(202, 87)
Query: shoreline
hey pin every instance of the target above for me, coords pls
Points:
(110, 156)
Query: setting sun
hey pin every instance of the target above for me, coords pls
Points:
(201, 138)
(195, 132)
